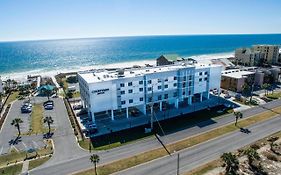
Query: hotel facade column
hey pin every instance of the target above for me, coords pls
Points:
(92, 114)
(177, 103)
(201, 97)
(190, 100)
(112, 114)
(160, 105)
(208, 94)
(144, 109)
(127, 112)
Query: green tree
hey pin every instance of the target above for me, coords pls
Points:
(231, 162)
(49, 120)
(69, 94)
(48, 93)
(16, 122)
(237, 116)
(95, 160)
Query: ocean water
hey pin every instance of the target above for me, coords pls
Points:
(72, 54)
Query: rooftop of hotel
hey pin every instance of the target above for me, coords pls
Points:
(236, 73)
(107, 75)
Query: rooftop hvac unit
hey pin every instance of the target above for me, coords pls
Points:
(120, 72)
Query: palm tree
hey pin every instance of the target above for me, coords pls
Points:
(252, 154)
(49, 120)
(48, 93)
(265, 86)
(16, 122)
(95, 159)
(237, 116)
(231, 163)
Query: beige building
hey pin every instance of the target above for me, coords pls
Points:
(235, 79)
(271, 52)
(168, 59)
(248, 57)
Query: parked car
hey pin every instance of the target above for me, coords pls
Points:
(48, 107)
(227, 96)
(26, 109)
(82, 112)
(77, 107)
(49, 102)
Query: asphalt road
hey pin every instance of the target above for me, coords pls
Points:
(206, 152)
(74, 160)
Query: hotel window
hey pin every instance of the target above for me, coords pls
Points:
(149, 81)
(189, 92)
(190, 77)
(122, 92)
(175, 94)
(159, 80)
(205, 79)
(130, 91)
(122, 85)
(140, 82)
(159, 97)
(183, 93)
(206, 73)
(175, 84)
(166, 96)
(130, 83)
(183, 85)
(149, 89)
(150, 99)
(190, 84)
(131, 101)
(175, 78)
(141, 99)
(200, 73)
(166, 79)
(184, 78)
(140, 89)
(123, 102)
(200, 79)
(159, 87)
(166, 86)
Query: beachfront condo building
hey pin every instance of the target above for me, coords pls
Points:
(248, 57)
(271, 52)
(138, 89)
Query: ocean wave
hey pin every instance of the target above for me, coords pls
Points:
(21, 76)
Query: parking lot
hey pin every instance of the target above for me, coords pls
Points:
(9, 135)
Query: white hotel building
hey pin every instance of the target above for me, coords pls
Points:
(105, 91)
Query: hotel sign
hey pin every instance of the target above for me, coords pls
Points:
(100, 91)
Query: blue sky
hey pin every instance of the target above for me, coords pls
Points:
(48, 19)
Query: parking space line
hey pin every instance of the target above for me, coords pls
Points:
(1, 150)
(35, 144)
(24, 145)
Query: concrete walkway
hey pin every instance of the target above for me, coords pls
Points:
(25, 166)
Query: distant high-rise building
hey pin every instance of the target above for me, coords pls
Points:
(271, 52)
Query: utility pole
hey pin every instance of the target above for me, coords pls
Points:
(178, 164)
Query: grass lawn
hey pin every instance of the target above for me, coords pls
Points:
(177, 146)
(11, 170)
(37, 125)
(15, 156)
(37, 162)
(12, 97)
(275, 95)
(205, 168)
(169, 126)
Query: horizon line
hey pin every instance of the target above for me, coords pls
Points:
(124, 36)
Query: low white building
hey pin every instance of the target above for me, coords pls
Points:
(1, 86)
(141, 88)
